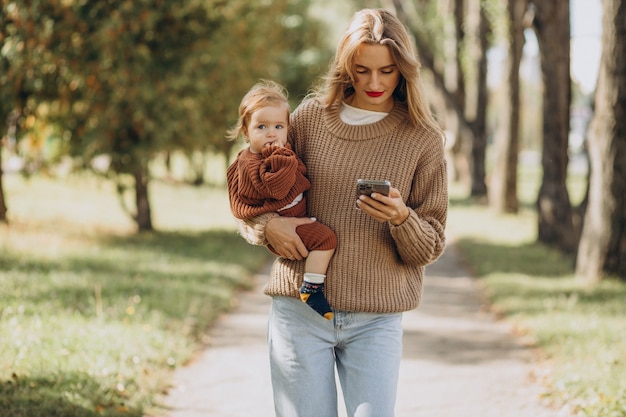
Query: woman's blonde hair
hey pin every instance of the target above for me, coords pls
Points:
(263, 94)
(377, 27)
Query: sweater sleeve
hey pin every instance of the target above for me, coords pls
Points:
(253, 229)
(276, 175)
(421, 238)
(279, 164)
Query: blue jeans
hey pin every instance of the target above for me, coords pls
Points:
(304, 349)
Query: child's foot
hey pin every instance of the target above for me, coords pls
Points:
(313, 295)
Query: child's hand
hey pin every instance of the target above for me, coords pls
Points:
(276, 151)
(278, 143)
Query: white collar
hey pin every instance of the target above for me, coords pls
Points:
(356, 116)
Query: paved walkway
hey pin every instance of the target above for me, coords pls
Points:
(458, 361)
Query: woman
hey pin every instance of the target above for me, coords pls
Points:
(367, 119)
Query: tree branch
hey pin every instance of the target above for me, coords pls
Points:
(427, 59)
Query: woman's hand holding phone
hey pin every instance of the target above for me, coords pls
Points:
(384, 208)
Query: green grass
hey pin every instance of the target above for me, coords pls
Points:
(94, 317)
(580, 330)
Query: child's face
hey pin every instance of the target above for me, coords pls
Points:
(268, 126)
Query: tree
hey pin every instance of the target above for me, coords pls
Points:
(3, 206)
(478, 111)
(451, 70)
(127, 61)
(602, 248)
(82, 66)
(5, 107)
(273, 40)
(503, 187)
(555, 215)
(28, 70)
(133, 79)
(454, 39)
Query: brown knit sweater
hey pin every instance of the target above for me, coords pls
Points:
(377, 267)
(265, 182)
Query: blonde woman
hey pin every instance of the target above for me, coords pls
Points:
(367, 119)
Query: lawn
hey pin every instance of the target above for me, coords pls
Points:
(94, 317)
(580, 331)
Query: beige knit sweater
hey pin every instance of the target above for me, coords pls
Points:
(377, 267)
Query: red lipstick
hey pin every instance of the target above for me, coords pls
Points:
(374, 93)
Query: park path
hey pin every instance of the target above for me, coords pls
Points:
(458, 360)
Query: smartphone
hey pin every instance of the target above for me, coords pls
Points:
(367, 187)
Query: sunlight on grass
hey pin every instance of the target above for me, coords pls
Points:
(88, 203)
(94, 317)
(580, 329)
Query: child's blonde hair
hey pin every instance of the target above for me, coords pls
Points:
(263, 94)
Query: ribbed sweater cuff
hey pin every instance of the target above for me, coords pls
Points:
(419, 242)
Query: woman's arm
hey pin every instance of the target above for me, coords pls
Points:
(277, 231)
(280, 232)
(421, 238)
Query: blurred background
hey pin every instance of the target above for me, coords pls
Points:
(142, 91)
(113, 207)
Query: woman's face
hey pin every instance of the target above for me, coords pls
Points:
(376, 78)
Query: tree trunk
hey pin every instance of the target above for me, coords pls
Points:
(459, 39)
(602, 249)
(454, 78)
(3, 206)
(197, 160)
(143, 216)
(479, 124)
(445, 82)
(555, 214)
(503, 186)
